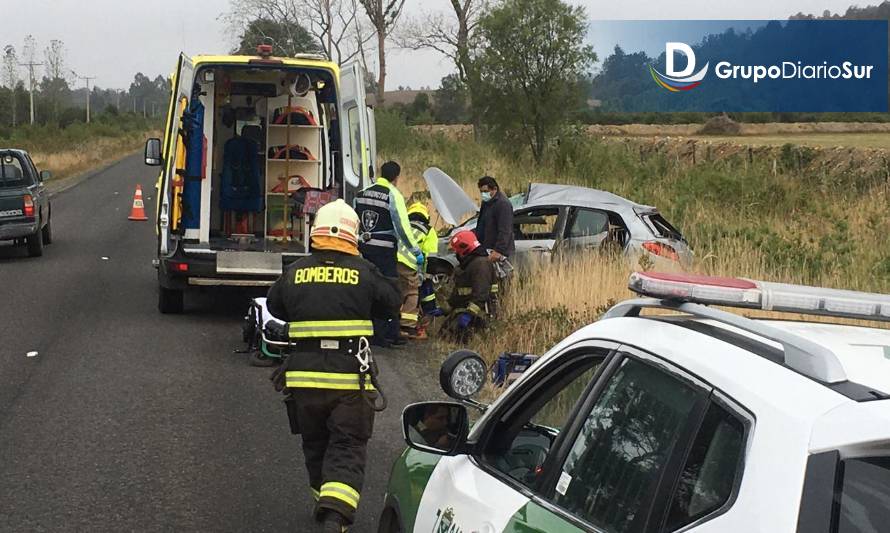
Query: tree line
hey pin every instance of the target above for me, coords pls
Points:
(41, 87)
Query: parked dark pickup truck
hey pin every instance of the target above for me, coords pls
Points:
(24, 202)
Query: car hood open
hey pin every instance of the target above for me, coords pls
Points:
(452, 203)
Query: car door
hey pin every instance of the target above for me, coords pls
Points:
(169, 184)
(653, 449)
(535, 232)
(586, 229)
(357, 149)
(483, 491)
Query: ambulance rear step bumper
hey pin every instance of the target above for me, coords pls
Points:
(222, 282)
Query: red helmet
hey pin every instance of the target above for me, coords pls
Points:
(463, 243)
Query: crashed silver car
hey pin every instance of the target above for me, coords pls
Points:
(557, 219)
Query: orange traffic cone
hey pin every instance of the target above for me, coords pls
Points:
(138, 211)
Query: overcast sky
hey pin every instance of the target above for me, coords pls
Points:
(113, 39)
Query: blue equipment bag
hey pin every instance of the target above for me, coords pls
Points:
(509, 366)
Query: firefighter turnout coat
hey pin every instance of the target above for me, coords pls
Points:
(328, 300)
(473, 281)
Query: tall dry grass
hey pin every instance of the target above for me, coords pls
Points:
(89, 154)
(824, 227)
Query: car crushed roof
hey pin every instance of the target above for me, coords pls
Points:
(454, 205)
(550, 194)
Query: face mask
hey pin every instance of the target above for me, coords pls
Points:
(486, 196)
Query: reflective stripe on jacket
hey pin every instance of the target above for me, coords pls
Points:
(426, 236)
(328, 300)
(382, 214)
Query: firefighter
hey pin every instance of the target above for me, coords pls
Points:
(411, 273)
(384, 226)
(328, 301)
(468, 305)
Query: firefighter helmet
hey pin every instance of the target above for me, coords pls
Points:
(419, 208)
(336, 219)
(464, 243)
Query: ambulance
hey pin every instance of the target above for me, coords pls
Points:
(253, 146)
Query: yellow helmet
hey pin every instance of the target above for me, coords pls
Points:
(336, 219)
(418, 207)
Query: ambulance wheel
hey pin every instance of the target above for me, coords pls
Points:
(169, 301)
(35, 244)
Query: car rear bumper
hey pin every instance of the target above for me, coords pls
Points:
(17, 230)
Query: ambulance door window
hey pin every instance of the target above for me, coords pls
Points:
(355, 139)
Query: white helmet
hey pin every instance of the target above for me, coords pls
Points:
(336, 219)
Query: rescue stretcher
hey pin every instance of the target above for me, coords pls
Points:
(266, 336)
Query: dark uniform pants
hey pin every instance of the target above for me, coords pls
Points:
(335, 426)
(385, 331)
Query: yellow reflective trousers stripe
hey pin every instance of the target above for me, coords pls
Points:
(464, 291)
(301, 379)
(340, 491)
(313, 329)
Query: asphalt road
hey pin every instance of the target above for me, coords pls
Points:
(129, 420)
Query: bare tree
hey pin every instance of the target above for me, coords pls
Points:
(54, 60)
(335, 24)
(383, 15)
(454, 38)
(55, 84)
(11, 75)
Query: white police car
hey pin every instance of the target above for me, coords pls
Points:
(697, 420)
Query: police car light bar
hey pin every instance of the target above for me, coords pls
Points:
(763, 295)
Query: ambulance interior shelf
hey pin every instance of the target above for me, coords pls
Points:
(293, 163)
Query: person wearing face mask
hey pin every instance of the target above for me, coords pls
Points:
(495, 227)
(495, 231)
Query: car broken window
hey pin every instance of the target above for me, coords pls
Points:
(661, 227)
(536, 224)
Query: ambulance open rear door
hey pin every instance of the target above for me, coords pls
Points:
(357, 144)
(171, 183)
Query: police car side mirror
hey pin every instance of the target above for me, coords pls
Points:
(462, 374)
(153, 152)
(45, 175)
(436, 427)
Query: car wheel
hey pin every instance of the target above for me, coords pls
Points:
(389, 522)
(170, 301)
(35, 244)
(48, 232)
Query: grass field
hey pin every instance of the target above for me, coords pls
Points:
(80, 147)
(818, 140)
(779, 217)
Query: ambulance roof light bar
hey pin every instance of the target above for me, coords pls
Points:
(762, 295)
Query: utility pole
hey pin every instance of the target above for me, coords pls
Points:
(31, 79)
(87, 80)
